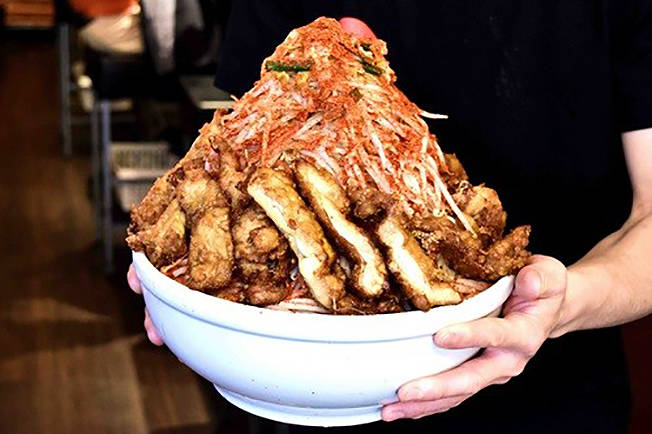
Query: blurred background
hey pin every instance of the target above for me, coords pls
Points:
(97, 99)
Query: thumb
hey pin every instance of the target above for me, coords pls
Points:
(356, 27)
(543, 277)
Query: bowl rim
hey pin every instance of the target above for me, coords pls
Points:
(314, 326)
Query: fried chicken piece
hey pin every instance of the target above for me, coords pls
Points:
(234, 292)
(483, 206)
(455, 173)
(266, 294)
(163, 191)
(223, 164)
(261, 252)
(164, 241)
(420, 278)
(386, 303)
(331, 205)
(467, 255)
(368, 202)
(275, 193)
(152, 206)
(197, 193)
(210, 253)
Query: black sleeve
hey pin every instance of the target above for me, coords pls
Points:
(633, 66)
(254, 29)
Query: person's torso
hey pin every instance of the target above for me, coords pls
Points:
(528, 88)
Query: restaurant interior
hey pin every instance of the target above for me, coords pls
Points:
(94, 106)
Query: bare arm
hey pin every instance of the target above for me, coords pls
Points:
(612, 284)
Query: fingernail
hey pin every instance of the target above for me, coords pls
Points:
(391, 415)
(535, 283)
(446, 337)
(411, 394)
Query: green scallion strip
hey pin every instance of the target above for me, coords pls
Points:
(288, 66)
(370, 67)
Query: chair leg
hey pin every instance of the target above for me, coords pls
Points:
(96, 192)
(63, 45)
(107, 181)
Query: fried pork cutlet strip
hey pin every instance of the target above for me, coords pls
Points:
(164, 242)
(412, 268)
(331, 205)
(275, 193)
(210, 254)
(467, 255)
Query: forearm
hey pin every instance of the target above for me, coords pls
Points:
(612, 284)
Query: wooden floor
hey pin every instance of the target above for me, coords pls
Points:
(73, 357)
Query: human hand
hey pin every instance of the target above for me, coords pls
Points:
(134, 284)
(529, 316)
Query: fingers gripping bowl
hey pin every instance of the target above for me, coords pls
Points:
(303, 368)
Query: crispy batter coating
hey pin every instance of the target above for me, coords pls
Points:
(261, 294)
(467, 255)
(152, 206)
(197, 193)
(386, 303)
(455, 173)
(483, 206)
(262, 253)
(232, 179)
(162, 192)
(275, 193)
(164, 241)
(414, 270)
(331, 205)
(211, 250)
(368, 202)
(234, 292)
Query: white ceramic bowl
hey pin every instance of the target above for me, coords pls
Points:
(301, 368)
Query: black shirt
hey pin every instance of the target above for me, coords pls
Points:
(537, 93)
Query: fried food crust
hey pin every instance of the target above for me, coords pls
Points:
(210, 253)
(413, 269)
(164, 241)
(467, 255)
(483, 206)
(197, 193)
(261, 252)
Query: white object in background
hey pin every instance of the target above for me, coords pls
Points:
(301, 368)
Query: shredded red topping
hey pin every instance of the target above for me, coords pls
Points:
(329, 97)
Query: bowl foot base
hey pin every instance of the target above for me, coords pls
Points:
(325, 417)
